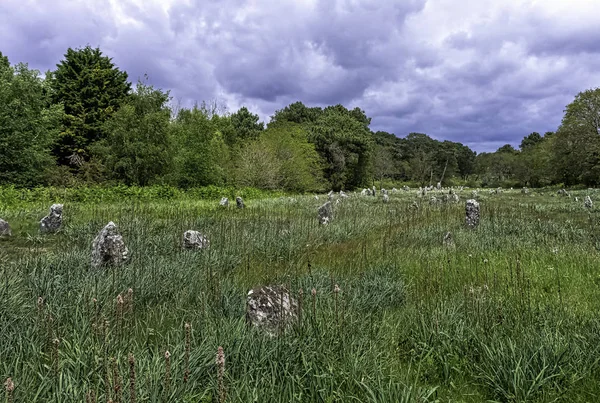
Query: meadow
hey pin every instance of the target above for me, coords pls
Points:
(509, 313)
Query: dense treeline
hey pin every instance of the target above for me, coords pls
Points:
(84, 123)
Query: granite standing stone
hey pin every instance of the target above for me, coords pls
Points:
(472, 213)
(270, 308)
(325, 213)
(195, 240)
(224, 202)
(53, 221)
(108, 248)
(4, 228)
(588, 202)
(239, 202)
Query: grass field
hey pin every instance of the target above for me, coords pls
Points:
(510, 313)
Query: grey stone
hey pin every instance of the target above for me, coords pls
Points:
(474, 194)
(433, 200)
(195, 240)
(325, 213)
(394, 190)
(525, 191)
(472, 213)
(108, 248)
(438, 186)
(448, 240)
(406, 188)
(4, 228)
(374, 193)
(386, 198)
(384, 191)
(271, 308)
(53, 221)
(239, 202)
(224, 202)
(365, 192)
(588, 202)
(561, 192)
(343, 194)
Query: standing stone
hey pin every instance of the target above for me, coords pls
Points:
(438, 186)
(394, 190)
(270, 308)
(453, 198)
(224, 202)
(386, 198)
(525, 191)
(239, 202)
(325, 213)
(365, 192)
(108, 248)
(433, 200)
(4, 228)
(316, 197)
(374, 191)
(406, 188)
(343, 194)
(474, 194)
(561, 192)
(448, 240)
(194, 240)
(52, 222)
(588, 202)
(472, 213)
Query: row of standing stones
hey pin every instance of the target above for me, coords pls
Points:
(270, 308)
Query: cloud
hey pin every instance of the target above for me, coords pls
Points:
(485, 73)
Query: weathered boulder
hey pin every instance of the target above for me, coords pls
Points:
(195, 240)
(108, 248)
(53, 221)
(472, 213)
(239, 202)
(365, 192)
(438, 186)
(374, 192)
(394, 190)
(386, 198)
(224, 202)
(588, 202)
(271, 308)
(4, 228)
(325, 213)
(343, 194)
(525, 191)
(405, 188)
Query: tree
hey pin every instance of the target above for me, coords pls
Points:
(576, 147)
(245, 125)
(201, 155)
(137, 149)
(530, 141)
(91, 89)
(28, 125)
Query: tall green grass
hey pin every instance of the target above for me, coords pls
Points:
(509, 314)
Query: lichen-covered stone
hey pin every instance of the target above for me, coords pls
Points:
(224, 202)
(438, 186)
(5, 228)
(525, 191)
(108, 248)
(325, 213)
(386, 198)
(472, 213)
(195, 240)
(239, 202)
(588, 202)
(270, 308)
(53, 221)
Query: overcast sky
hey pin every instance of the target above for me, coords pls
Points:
(481, 72)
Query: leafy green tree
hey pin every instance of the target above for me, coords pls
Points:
(28, 125)
(345, 143)
(137, 149)
(576, 151)
(296, 113)
(201, 156)
(530, 141)
(281, 158)
(245, 125)
(91, 89)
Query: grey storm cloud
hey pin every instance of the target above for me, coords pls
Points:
(484, 73)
